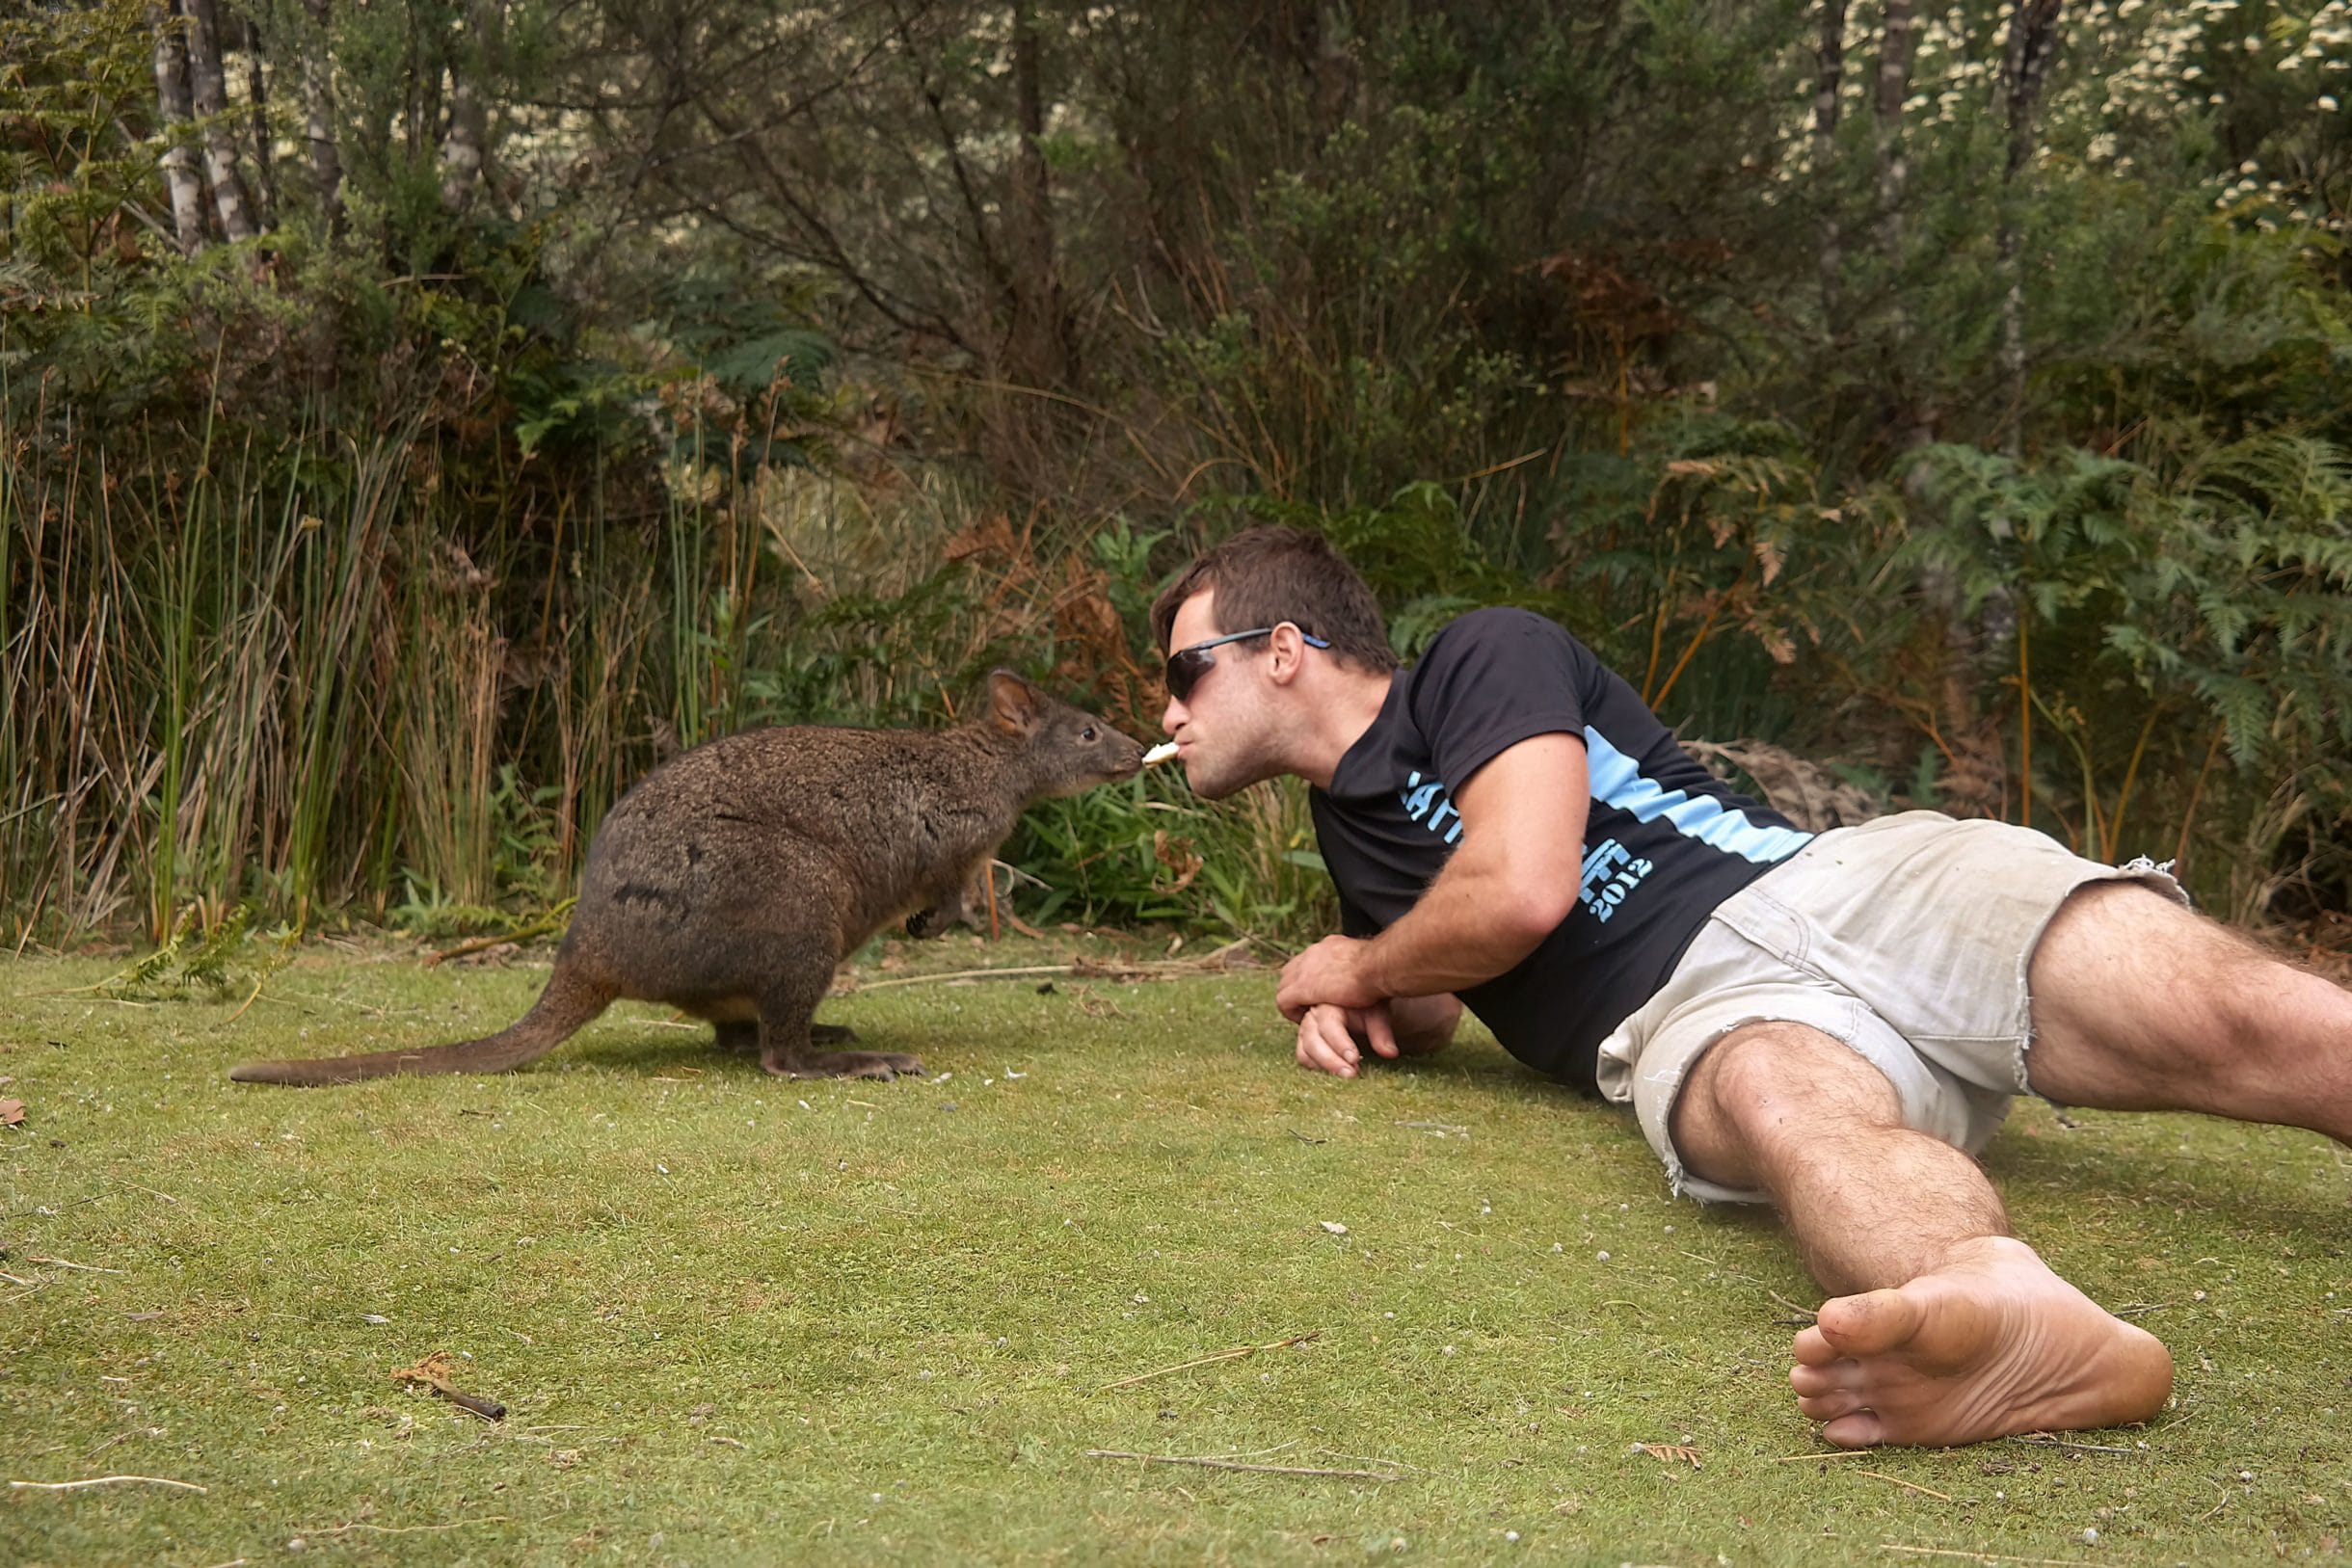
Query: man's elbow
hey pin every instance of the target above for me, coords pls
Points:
(1527, 919)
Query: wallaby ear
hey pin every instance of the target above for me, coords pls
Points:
(1016, 706)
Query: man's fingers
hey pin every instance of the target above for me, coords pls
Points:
(1380, 1032)
(1324, 1043)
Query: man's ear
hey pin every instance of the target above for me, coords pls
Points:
(1286, 647)
(1015, 706)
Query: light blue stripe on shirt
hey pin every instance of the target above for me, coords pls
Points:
(1617, 781)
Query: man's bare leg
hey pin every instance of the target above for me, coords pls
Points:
(1952, 1331)
(2141, 1005)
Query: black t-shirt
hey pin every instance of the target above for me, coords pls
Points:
(1665, 840)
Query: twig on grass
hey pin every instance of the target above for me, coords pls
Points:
(1084, 968)
(1231, 1464)
(150, 1191)
(1017, 974)
(1235, 1353)
(432, 1371)
(404, 1529)
(1976, 1556)
(1837, 1453)
(105, 1481)
(2043, 1440)
(61, 1262)
(252, 997)
(1909, 1486)
(554, 918)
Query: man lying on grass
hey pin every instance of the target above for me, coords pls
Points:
(1834, 1023)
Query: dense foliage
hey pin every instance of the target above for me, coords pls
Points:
(422, 417)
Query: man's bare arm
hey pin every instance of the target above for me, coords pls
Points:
(1511, 880)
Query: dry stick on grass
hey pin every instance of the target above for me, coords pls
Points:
(402, 1529)
(2043, 1440)
(553, 921)
(1977, 1556)
(1211, 963)
(1840, 1453)
(106, 1481)
(1909, 1486)
(1235, 1353)
(1235, 1464)
(150, 1191)
(86, 1269)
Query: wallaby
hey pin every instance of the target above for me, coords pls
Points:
(734, 878)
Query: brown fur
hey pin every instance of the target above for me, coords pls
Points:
(733, 879)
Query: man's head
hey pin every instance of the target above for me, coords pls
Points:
(1269, 575)
(1264, 632)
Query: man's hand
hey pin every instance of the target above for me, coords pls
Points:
(1334, 1039)
(1331, 973)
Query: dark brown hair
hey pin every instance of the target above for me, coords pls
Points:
(1265, 575)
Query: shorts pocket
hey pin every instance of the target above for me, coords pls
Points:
(1771, 925)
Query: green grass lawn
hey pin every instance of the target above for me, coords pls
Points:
(739, 1319)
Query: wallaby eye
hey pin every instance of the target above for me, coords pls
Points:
(1086, 733)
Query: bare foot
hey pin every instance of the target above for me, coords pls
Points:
(1990, 1344)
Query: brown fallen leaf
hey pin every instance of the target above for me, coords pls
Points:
(11, 1112)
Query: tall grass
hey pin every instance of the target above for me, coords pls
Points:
(267, 671)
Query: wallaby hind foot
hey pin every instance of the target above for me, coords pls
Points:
(746, 1036)
(785, 1031)
(885, 1065)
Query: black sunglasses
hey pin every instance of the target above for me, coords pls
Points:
(1187, 665)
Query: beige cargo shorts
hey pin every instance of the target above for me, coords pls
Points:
(1906, 938)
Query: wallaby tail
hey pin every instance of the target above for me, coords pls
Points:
(567, 1005)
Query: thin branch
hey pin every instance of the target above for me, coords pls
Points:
(1229, 1464)
(1881, 1475)
(1234, 1354)
(406, 1529)
(1975, 1556)
(106, 1481)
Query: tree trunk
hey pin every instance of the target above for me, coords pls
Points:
(1894, 86)
(2033, 43)
(1832, 58)
(318, 115)
(1036, 351)
(180, 179)
(256, 93)
(463, 149)
(1910, 415)
(209, 86)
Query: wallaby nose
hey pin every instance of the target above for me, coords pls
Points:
(1130, 756)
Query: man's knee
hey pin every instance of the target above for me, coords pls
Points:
(1770, 1083)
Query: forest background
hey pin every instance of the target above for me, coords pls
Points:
(422, 417)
